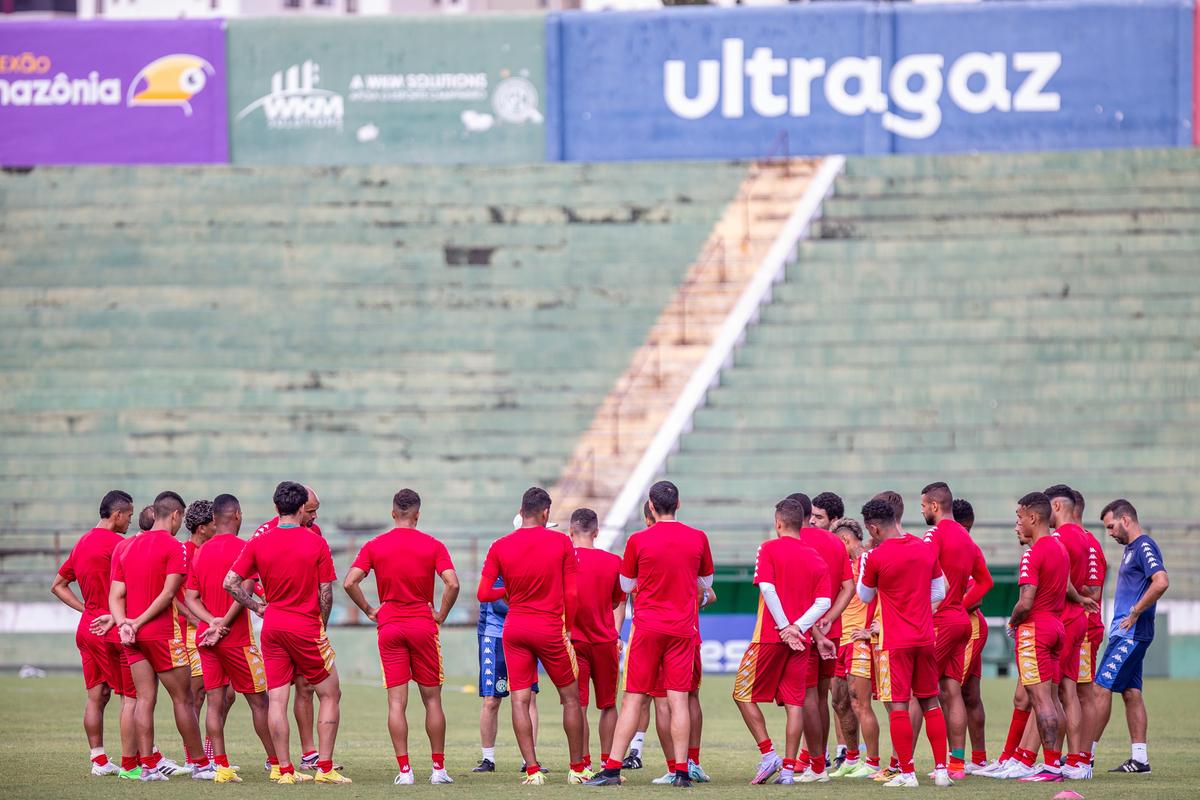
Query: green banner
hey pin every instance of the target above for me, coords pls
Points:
(387, 90)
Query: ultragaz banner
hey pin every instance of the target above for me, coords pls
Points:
(391, 89)
(112, 93)
(872, 78)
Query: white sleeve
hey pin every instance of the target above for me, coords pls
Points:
(937, 589)
(705, 581)
(866, 594)
(814, 613)
(628, 584)
(771, 599)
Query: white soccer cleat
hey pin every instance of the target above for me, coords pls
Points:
(905, 780)
(994, 769)
(170, 767)
(665, 780)
(108, 768)
(941, 777)
(154, 774)
(206, 773)
(768, 765)
(1082, 772)
(438, 776)
(1016, 770)
(808, 776)
(404, 778)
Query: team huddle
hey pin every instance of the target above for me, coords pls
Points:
(848, 614)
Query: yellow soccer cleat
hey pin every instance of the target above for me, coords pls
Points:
(286, 780)
(579, 777)
(226, 775)
(333, 776)
(886, 774)
(275, 774)
(536, 779)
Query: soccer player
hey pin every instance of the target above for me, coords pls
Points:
(197, 518)
(961, 561)
(1141, 581)
(296, 571)
(146, 519)
(793, 583)
(634, 759)
(231, 658)
(666, 564)
(964, 514)
(854, 668)
(539, 569)
(598, 620)
(104, 672)
(827, 509)
(405, 562)
(147, 573)
(903, 571)
(1090, 698)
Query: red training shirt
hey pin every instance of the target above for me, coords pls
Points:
(539, 570)
(290, 563)
(960, 559)
(833, 552)
(1047, 566)
(143, 564)
(273, 522)
(599, 583)
(90, 565)
(1074, 538)
(405, 562)
(667, 559)
(800, 577)
(1097, 570)
(902, 570)
(207, 576)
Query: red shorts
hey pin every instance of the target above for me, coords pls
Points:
(697, 676)
(238, 665)
(163, 654)
(906, 672)
(1039, 651)
(950, 640)
(600, 663)
(103, 662)
(771, 673)
(854, 660)
(1074, 636)
(410, 649)
(660, 661)
(526, 643)
(819, 668)
(973, 655)
(286, 653)
(1096, 636)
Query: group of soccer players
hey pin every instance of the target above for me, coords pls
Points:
(848, 613)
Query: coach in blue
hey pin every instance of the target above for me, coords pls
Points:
(493, 679)
(1141, 580)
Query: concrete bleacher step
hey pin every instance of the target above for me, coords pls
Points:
(967, 227)
(1035, 163)
(989, 202)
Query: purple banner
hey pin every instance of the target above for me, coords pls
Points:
(113, 93)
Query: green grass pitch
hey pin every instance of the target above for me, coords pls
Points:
(43, 753)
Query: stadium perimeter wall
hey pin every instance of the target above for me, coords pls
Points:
(709, 83)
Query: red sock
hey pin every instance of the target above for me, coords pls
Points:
(201, 762)
(1072, 759)
(439, 760)
(1083, 758)
(532, 769)
(147, 762)
(902, 738)
(789, 764)
(1052, 758)
(325, 765)
(222, 760)
(155, 757)
(979, 756)
(587, 760)
(287, 769)
(1016, 729)
(129, 762)
(935, 730)
(818, 764)
(402, 761)
(577, 766)
(670, 766)
(803, 762)
(851, 755)
(873, 763)
(273, 761)
(603, 759)
(100, 760)
(612, 763)
(893, 762)
(694, 754)
(765, 746)
(957, 764)
(1026, 757)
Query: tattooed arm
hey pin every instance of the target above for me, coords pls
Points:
(325, 598)
(237, 587)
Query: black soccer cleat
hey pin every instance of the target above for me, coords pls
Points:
(608, 777)
(1137, 767)
(682, 782)
(486, 765)
(541, 769)
(633, 760)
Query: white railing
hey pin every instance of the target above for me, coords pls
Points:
(720, 353)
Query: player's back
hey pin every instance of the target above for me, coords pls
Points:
(599, 587)
(405, 562)
(534, 563)
(90, 565)
(143, 564)
(291, 563)
(957, 554)
(833, 552)
(799, 576)
(666, 559)
(1047, 565)
(902, 570)
(207, 576)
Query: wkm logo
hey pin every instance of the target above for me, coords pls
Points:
(296, 102)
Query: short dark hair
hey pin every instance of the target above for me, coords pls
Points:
(584, 519)
(224, 504)
(894, 500)
(831, 503)
(1079, 502)
(664, 497)
(406, 501)
(802, 498)
(879, 512)
(534, 501)
(146, 518)
(1061, 490)
(200, 512)
(168, 503)
(792, 513)
(939, 492)
(1037, 502)
(848, 524)
(1119, 508)
(289, 498)
(114, 501)
(646, 512)
(964, 514)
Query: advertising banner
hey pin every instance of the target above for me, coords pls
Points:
(388, 90)
(112, 93)
(725, 638)
(855, 78)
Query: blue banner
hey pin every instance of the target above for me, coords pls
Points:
(724, 636)
(871, 79)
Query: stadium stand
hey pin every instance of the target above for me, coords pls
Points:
(451, 329)
(1003, 322)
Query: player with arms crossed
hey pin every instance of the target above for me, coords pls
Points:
(405, 562)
